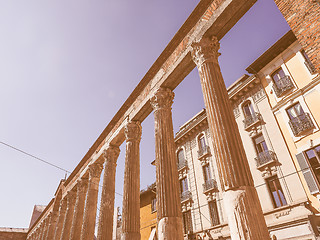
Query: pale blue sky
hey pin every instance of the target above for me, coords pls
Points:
(67, 67)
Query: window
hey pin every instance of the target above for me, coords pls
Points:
(180, 156)
(278, 75)
(213, 210)
(153, 204)
(248, 109)
(260, 144)
(184, 185)
(276, 192)
(299, 121)
(187, 222)
(282, 83)
(308, 62)
(295, 111)
(202, 142)
(313, 156)
(206, 172)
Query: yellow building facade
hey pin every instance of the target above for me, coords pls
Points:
(148, 214)
(292, 87)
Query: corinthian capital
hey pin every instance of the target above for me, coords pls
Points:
(111, 154)
(162, 98)
(95, 169)
(133, 131)
(82, 184)
(206, 50)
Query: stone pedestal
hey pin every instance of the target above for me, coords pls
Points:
(168, 198)
(105, 227)
(89, 219)
(71, 199)
(82, 187)
(241, 201)
(62, 213)
(131, 188)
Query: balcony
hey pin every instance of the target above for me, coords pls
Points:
(252, 119)
(310, 67)
(282, 85)
(182, 164)
(265, 158)
(300, 124)
(185, 196)
(204, 151)
(210, 185)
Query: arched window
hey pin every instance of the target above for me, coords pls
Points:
(247, 109)
(202, 142)
(181, 156)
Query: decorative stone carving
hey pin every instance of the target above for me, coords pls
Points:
(241, 201)
(163, 98)
(131, 188)
(168, 197)
(105, 227)
(206, 50)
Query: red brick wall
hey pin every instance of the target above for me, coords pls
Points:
(303, 16)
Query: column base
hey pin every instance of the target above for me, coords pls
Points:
(130, 236)
(245, 217)
(170, 228)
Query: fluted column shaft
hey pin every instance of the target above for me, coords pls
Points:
(62, 213)
(54, 217)
(241, 201)
(41, 230)
(82, 187)
(48, 220)
(105, 227)
(89, 218)
(71, 199)
(131, 188)
(168, 198)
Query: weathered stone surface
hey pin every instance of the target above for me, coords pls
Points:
(71, 199)
(131, 188)
(105, 226)
(244, 211)
(168, 199)
(62, 213)
(89, 218)
(82, 187)
(13, 233)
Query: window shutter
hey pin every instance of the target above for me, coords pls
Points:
(307, 173)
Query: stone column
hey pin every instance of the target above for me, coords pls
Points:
(131, 188)
(52, 224)
(62, 213)
(168, 198)
(41, 229)
(71, 199)
(105, 227)
(89, 218)
(82, 187)
(242, 206)
(48, 220)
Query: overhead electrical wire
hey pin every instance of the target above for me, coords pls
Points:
(39, 159)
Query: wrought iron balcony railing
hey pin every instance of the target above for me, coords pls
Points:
(265, 158)
(310, 67)
(210, 185)
(186, 195)
(251, 119)
(301, 124)
(282, 85)
(182, 164)
(204, 151)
